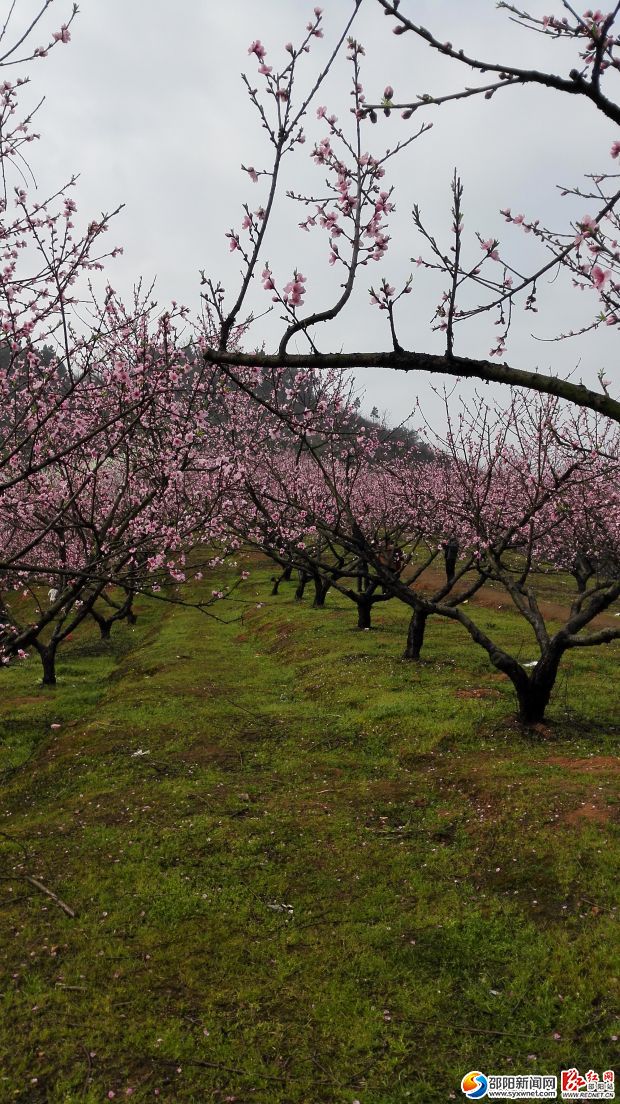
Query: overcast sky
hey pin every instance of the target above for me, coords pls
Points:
(147, 105)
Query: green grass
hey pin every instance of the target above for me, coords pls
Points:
(331, 875)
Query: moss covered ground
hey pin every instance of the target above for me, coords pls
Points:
(302, 870)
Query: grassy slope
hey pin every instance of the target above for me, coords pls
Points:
(333, 877)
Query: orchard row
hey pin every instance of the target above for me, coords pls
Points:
(135, 442)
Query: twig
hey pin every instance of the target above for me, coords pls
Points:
(210, 1065)
(90, 1069)
(483, 1030)
(49, 893)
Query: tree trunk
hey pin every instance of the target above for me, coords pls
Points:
(48, 662)
(533, 703)
(104, 623)
(320, 592)
(535, 693)
(583, 570)
(131, 617)
(415, 635)
(450, 555)
(364, 615)
(286, 574)
(301, 586)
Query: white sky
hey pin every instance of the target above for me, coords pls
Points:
(146, 103)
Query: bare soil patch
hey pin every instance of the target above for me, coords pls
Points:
(588, 813)
(595, 764)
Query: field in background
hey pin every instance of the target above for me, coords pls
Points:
(303, 871)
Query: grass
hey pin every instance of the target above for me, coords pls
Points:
(303, 871)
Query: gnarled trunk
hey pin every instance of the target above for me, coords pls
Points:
(364, 615)
(583, 570)
(535, 693)
(104, 623)
(320, 592)
(301, 586)
(284, 577)
(415, 635)
(533, 702)
(47, 655)
(363, 578)
(450, 555)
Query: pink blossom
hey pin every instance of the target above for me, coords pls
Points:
(63, 35)
(599, 276)
(258, 49)
(295, 289)
(588, 224)
(490, 250)
(615, 149)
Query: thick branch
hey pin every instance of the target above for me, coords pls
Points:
(403, 360)
(576, 84)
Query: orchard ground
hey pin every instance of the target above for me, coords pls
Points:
(303, 871)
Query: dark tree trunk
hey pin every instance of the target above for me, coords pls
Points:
(535, 692)
(364, 615)
(583, 570)
(415, 635)
(301, 586)
(131, 617)
(284, 577)
(450, 555)
(104, 623)
(47, 653)
(320, 592)
(533, 703)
